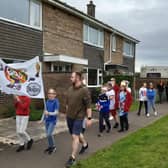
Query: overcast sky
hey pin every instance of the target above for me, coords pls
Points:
(146, 20)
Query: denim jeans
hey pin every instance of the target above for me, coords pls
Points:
(151, 104)
(49, 131)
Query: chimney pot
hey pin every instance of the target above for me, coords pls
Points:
(91, 9)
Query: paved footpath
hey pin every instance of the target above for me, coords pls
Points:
(37, 159)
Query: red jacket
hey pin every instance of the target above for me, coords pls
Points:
(23, 106)
(128, 101)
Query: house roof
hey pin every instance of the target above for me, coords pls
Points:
(89, 18)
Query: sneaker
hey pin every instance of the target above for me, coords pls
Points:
(83, 149)
(108, 131)
(29, 144)
(148, 115)
(121, 130)
(100, 135)
(51, 150)
(20, 148)
(70, 162)
(155, 113)
(111, 118)
(46, 150)
(138, 114)
(116, 125)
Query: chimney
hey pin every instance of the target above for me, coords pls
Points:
(91, 9)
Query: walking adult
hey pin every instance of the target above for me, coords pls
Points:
(160, 88)
(78, 107)
(143, 99)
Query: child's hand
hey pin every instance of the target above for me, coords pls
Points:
(46, 113)
(40, 122)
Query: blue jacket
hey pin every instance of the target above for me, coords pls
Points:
(52, 106)
(104, 102)
(151, 93)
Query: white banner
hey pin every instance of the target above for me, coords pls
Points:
(22, 78)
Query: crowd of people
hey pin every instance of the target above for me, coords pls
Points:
(114, 102)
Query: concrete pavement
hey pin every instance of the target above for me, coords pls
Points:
(37, 159)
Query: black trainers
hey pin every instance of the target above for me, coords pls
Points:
(29, 144)
(116, 125)
(51, 150)
(20, 148)
(108, 131)
(70, 162)
(121, 130)
(83, 149)
(46, 150)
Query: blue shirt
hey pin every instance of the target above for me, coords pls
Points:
(52, 106)
(151, 93)
(104, 102)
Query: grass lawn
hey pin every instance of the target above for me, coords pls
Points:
(147, 148)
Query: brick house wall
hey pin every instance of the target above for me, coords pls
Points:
(117, 56)
(107, 46)
(63, 33)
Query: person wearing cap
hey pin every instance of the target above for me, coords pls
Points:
(103, 107)
(125, 101)
(116, 89)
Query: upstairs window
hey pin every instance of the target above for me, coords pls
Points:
(27, 12)
(93, 36)
(128, 49)
(114, 43)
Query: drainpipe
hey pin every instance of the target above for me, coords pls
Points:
(110, 60)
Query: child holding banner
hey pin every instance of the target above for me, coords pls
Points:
(50, 119)
(22, 106)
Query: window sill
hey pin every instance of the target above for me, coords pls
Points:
(94, 45)
(21, 24)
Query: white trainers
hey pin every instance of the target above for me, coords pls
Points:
(147, 114)
(155, 113)
(111, 118)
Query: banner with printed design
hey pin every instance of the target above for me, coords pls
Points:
(24, 79)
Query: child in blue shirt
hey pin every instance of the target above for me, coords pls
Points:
(151, 95)
(103, 108)
(50, 119)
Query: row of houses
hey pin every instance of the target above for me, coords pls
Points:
(66, 39)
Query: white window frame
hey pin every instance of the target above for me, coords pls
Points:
(27, 25)
(88, 36)
(114, 43)
(98, 75)
(30, 16)
(131, 48)
(60, 64)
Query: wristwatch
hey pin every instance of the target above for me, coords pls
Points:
(89, 118)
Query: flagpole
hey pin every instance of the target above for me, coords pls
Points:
(44, 101)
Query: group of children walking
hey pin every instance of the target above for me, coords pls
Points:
(22, 106)
(115, 101)
(147, 96)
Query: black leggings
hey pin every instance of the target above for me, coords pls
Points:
(140, 106)
(124, 122)
(104, 116)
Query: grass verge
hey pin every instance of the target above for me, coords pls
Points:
(147, 148)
